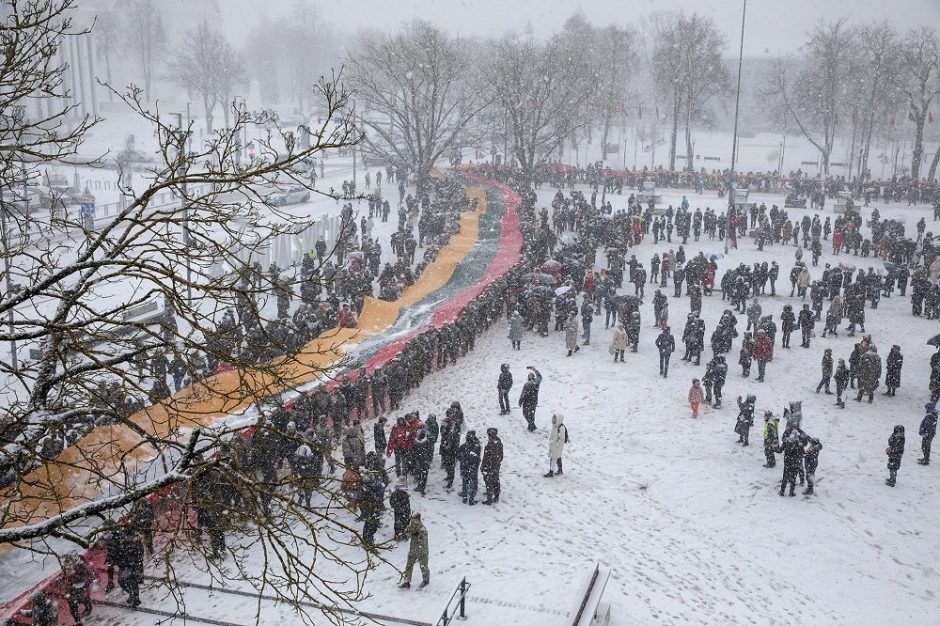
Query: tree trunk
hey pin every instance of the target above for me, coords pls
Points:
(675, 131)
(207, 107)
(689, 157)
(225, 110)
(932, 175)
(918, 153)
(606, 131)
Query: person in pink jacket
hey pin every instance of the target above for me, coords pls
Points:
(696, 396)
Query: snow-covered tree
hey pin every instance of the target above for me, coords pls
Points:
(416, 93)
(919, 80)
(815, 96)
(543, 89)
(207, 64)
(876, 95)
(78, 285)
(146, 36)
(688, 64)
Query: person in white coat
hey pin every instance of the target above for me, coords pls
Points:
(618, 343)
(557, 438)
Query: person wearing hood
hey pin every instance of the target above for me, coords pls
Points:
(307, 465)
(771, 428)
(826, 372)
(869, 374)
(895, 451)
(762, 352)
(434, 431)
(515, 330)
(354, 447)
(421, 452)
(417, 552)
(468, 454)
(400, 502)
(927, 431)
(571, 334)
(811, 461)
(893, 365)
(696, 396)
(745, 419)
(450, 442)
(666, 344)
(42, 612)
(792, 450)
(557, 438)
(492, 460)
(618, 342)
(503, 385)
(833, 317)
(719, 374)
(787, 324)
(529, 398)
(399, 443)
(379, 439)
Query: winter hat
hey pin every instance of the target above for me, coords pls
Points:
(930, 407)
(492, 432)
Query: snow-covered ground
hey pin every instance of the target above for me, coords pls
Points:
(689, 522)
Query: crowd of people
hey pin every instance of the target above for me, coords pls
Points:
(559, 276)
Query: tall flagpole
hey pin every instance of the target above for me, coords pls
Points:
(734, 139)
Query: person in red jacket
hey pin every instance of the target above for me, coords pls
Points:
(400, 440)
(837, 241)
(763, 351)
(346, 318)
(588, 285)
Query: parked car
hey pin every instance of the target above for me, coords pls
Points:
(292, 195)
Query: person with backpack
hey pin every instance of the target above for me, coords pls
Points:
(557, 439)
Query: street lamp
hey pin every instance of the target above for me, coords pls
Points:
(734, 139)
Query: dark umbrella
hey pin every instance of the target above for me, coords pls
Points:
(543, 291)
(934, 341)
(542, 279)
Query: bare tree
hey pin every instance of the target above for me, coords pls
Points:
(877, 67)
(919, 80)
(816, 98)
(614, 58)
(542, 89)
(417, 94)
(704, 73)
(147, 37)
(80, 284)
(107, 35)
(688, 65)
(208, 65)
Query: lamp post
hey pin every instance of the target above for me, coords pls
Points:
(734, 138)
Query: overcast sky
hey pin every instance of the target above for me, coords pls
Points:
(773, 27)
